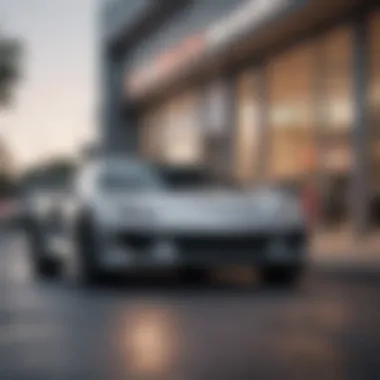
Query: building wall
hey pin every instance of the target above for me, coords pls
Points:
(119, 14)
(308, 116)
(321, 121)
(119, 130)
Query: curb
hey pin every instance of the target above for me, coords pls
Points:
(353, 270)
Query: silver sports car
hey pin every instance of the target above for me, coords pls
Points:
(123, 214)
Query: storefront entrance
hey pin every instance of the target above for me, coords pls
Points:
(291, 119)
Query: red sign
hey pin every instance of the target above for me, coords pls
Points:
(166, 65)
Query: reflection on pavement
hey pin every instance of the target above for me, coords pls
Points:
(324, 330)
(149, 342)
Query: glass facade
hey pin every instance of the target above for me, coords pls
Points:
(300, 133)
(310, 118)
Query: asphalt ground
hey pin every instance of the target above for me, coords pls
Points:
(160, 327)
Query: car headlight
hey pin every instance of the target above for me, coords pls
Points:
(165, 251)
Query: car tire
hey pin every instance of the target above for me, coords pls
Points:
(41, 264)
(193, 275)
(83, 268)
(285, 276)
(44, 268)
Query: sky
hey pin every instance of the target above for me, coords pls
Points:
(54, 109)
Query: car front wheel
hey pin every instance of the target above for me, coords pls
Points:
(82, 268)
(41, 263)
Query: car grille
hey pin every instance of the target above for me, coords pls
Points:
(136, 241)
(221, 243)
(217, 245)
(250, 244)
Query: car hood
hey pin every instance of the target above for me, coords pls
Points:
(203, 210)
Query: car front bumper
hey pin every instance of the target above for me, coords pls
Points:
(135, 250)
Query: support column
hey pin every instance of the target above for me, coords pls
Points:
(361, 130)
(218, 119)
(321, 125)
(263, 123)
(231, 125)
(119, 128)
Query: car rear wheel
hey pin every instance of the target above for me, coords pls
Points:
(287, 275)
(42, 265)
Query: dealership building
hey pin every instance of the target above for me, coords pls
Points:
(255, 91)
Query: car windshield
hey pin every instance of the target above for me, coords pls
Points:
(188, 179)
(130, 177)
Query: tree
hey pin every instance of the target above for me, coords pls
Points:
(9, 73)
(9, 68)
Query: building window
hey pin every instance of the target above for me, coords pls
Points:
(374, 107)
(248, 134)
(171, 132)
(292, 143)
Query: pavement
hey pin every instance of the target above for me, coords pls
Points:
(162, 328)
